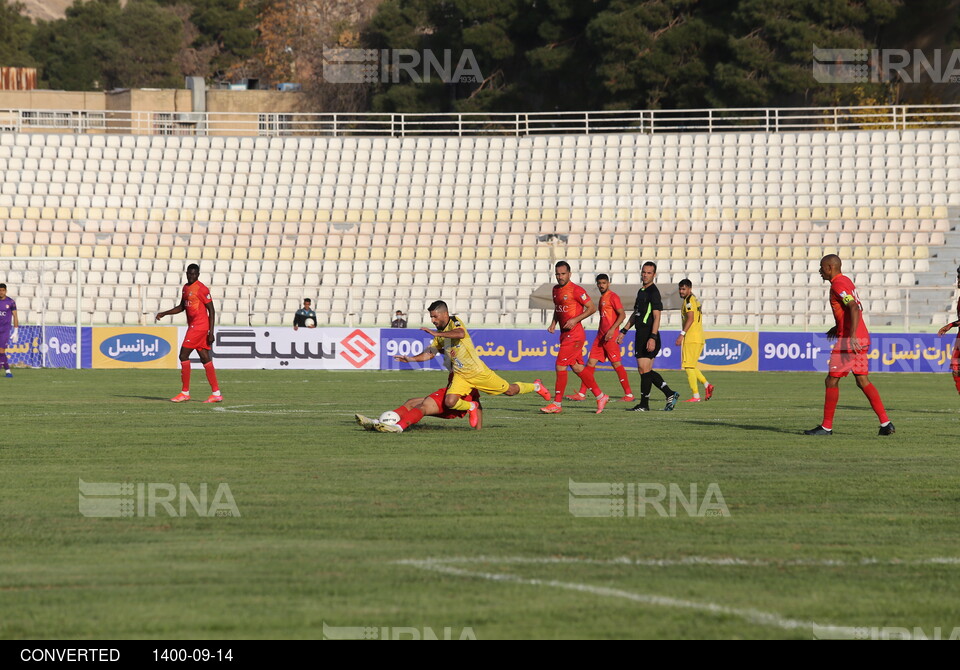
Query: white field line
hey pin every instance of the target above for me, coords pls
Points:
(668, 562)
(443, 566)
(236, 409)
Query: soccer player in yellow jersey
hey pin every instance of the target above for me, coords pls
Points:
(691, 339)
(468, 371)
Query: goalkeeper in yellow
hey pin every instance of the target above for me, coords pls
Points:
(691, 339)
(467, 370)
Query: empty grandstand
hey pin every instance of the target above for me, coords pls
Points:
(370, 220)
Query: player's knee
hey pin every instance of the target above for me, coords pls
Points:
(513, 389)
(450, 400)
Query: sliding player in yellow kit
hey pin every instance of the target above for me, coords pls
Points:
(468, 371)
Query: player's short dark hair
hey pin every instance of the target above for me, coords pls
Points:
(686, 282)
(438, 305)
(563, 264)
(5, 286)
(308, 300)
(603, 277)
(193, 265)
(651, 264)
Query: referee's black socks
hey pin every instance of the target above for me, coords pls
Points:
(657, 380)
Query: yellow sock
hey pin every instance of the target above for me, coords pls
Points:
(462, 405)
(692, 379)
(525, 387)
(703, 380)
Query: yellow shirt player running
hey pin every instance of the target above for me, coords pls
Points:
(692, 340)
(468, 371)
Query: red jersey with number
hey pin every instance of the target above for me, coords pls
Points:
(608, 307)
(569, 302)
(842, 294)
(196, 297)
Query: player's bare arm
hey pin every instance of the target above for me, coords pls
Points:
(943, 331)
(854, 312)
(588, 310)
(211, 315)
(455, 334)
(687, 324)
(170, 312)
(425, 355)
(553, 324)
(651, 342)
(615, 326)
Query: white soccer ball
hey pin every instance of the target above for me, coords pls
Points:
(390, 418)
(309, 322)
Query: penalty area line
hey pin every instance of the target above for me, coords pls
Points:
(754, 616)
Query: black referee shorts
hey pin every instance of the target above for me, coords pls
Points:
(640, 345)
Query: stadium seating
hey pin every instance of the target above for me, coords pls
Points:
(366, 225)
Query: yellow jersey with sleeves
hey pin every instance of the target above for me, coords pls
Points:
(459, 355)
(695, 332)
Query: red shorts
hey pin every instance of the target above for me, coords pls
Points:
(571, 353)
(843, 362)
(955, 361)
(605, 351)
(445, 413)
(196, 338)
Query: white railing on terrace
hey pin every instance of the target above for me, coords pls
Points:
(271, 124)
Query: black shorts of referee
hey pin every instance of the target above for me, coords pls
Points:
(640, 344)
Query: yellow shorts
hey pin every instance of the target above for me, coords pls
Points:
(690, 353)
(488, 383)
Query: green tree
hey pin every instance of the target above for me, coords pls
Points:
(16, 31)
(228, 24)
(72, 50)
(99, 45)
(148, 39)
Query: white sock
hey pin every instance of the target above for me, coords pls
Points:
(216, 393)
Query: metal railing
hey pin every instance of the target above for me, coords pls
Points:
(519, 124)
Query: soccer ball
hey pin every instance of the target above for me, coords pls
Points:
(390, 418)
(309, 322)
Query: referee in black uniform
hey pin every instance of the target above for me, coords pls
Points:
(646, 317)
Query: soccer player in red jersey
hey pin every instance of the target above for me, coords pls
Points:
(414, 409)
(850, 352)
(955, 359)
(571, 306)
(605, 347)
(196, 301)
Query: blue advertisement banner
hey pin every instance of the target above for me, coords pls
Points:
(889, 352)
(503, 349)
(50, 346)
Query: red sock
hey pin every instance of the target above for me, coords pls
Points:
(561, 384)
(583, 389)
(412, 416)
(587, 375)
(624, 380)
(185, 375)
(401, 412)
(211, 376)
(873, 395)
(830, 407)
(956, 381)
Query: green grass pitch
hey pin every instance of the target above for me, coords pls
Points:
(445, 527)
